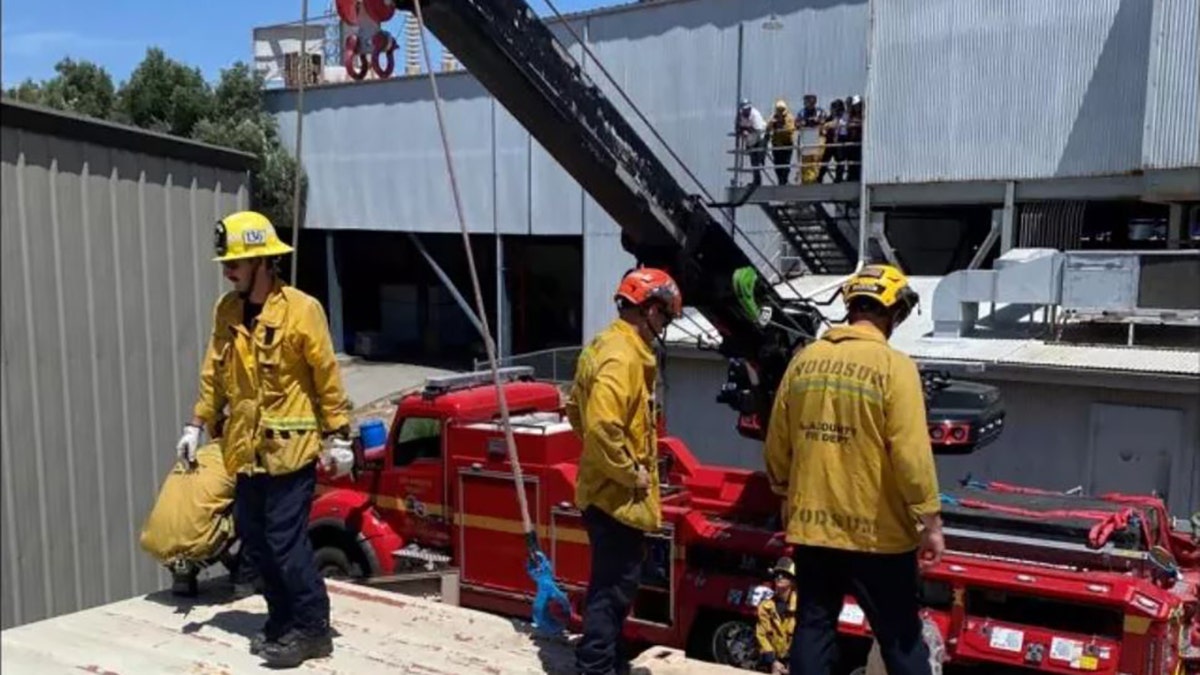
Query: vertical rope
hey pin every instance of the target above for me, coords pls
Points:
(489, 344)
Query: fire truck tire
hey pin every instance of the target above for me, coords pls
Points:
(727, 640)
(333, 563)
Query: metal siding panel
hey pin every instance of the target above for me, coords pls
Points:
(46, 362)
(555, 198)
(91, 342)
(604, 260)
(1172, 131)
(103, 413)
(182, 255)
(820, 49)
(70, 339)
(157, 295)
(18, 458)
(374, 155)
(1035, 89)
(678, 63)
(511, 167)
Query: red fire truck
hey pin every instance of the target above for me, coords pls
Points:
(1040, 581)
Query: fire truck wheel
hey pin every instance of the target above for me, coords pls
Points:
(732, 643)
(333, 563)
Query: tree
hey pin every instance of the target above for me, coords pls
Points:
(164, 95)
(240, 121)
(26, 92)
(79, 86)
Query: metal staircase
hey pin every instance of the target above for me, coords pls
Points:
(815, 235)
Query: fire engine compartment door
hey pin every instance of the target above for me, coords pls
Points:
(491, 539)
(571, 554)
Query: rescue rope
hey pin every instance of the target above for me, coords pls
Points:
(538, 565)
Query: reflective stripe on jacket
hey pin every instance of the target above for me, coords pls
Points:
(610, 406)
(281, 383)
(775, 630)
(848, 445)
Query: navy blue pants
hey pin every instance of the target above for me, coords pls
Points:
(885, 586)
(617, 554)
(272, 516)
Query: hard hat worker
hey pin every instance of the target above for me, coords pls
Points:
(270, 361)
(611, 405)
(848, 450)
(782, 130)
(777, 619)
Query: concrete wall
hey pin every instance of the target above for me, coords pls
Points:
(1057, 435)
(108, 296)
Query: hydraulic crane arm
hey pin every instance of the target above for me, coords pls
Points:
(516, 57)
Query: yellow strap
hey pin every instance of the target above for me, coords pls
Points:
(290, 423)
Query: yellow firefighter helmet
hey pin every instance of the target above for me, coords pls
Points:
(884, 284)
(247, 234)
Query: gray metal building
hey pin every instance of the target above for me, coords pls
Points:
(964, 90)
(108, 294)
(375, 160)
(1023, 114)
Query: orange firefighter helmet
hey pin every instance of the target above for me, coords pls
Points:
(645, 284)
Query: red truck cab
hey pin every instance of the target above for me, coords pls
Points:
(403, 499)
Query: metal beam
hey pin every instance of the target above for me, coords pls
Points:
(1175, 226)
(462, 303)
(1008, 225)
(1157, 185)
(334, 293)
(989, 242)
(879, 234)
(819, 192)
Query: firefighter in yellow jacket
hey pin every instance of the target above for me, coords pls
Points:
(270, 362)
(848, 450)
(777, 619)
(612, 407)
(782, 130)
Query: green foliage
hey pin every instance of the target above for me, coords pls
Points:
(165, 95)
(242, 123)
(80, 87)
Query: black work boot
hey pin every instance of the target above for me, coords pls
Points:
(268, 633)
(295, 647)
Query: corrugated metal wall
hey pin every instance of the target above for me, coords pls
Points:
(1172, 136)
(974, 89)
(108, 294)
(375, 159)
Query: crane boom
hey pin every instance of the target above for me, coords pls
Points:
(513, 54)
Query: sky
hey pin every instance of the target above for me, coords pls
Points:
(210, 35)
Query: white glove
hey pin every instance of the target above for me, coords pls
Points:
(337, 458)
(185, 449)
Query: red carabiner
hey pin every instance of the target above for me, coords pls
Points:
(383, 47)
(380, 11)
(355, 61)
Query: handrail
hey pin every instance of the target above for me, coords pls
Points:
(567, 371)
